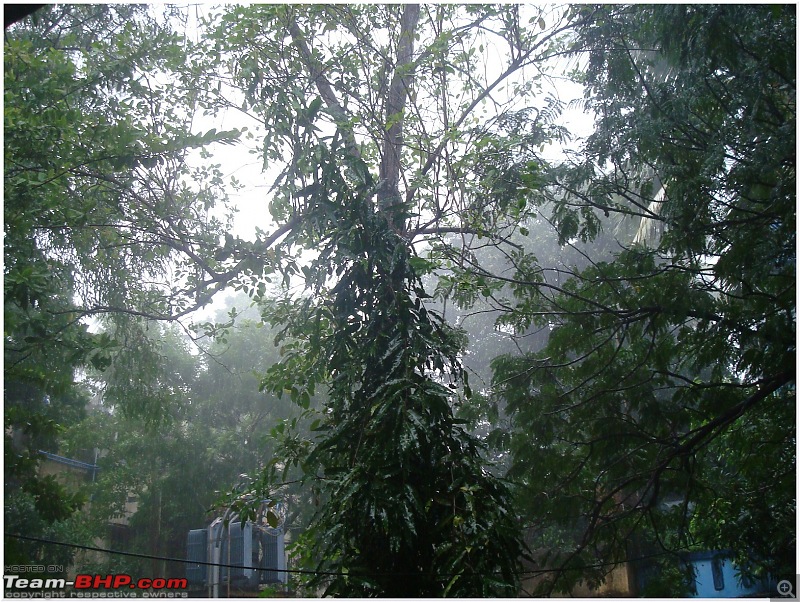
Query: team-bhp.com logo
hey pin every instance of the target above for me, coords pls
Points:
(94, 586)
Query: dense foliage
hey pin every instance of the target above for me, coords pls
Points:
(663, 405)
(375, 105)
(97, 212)
(626, 308)
(391, 452)
(177, 470)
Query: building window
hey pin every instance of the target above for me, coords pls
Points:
(716, 572)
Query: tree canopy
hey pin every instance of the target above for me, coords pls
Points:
(100, 209)
(641, 280)
(648, 402)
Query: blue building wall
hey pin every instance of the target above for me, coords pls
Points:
(716, 576)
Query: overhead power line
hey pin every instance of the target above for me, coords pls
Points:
(320, 572)
(166, 558)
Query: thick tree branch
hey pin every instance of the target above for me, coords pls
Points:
(442, 230)
(317, 72)
(389, 193)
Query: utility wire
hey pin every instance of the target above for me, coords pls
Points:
(319, 572)
(167, 558)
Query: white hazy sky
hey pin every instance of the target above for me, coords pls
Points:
(252, 200)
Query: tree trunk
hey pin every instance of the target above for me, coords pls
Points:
(389, 191)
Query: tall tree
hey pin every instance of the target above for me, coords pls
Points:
(173, 467)
(648, 411)
(97, 209)
(371, 113)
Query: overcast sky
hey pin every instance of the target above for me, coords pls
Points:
(246, 166)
